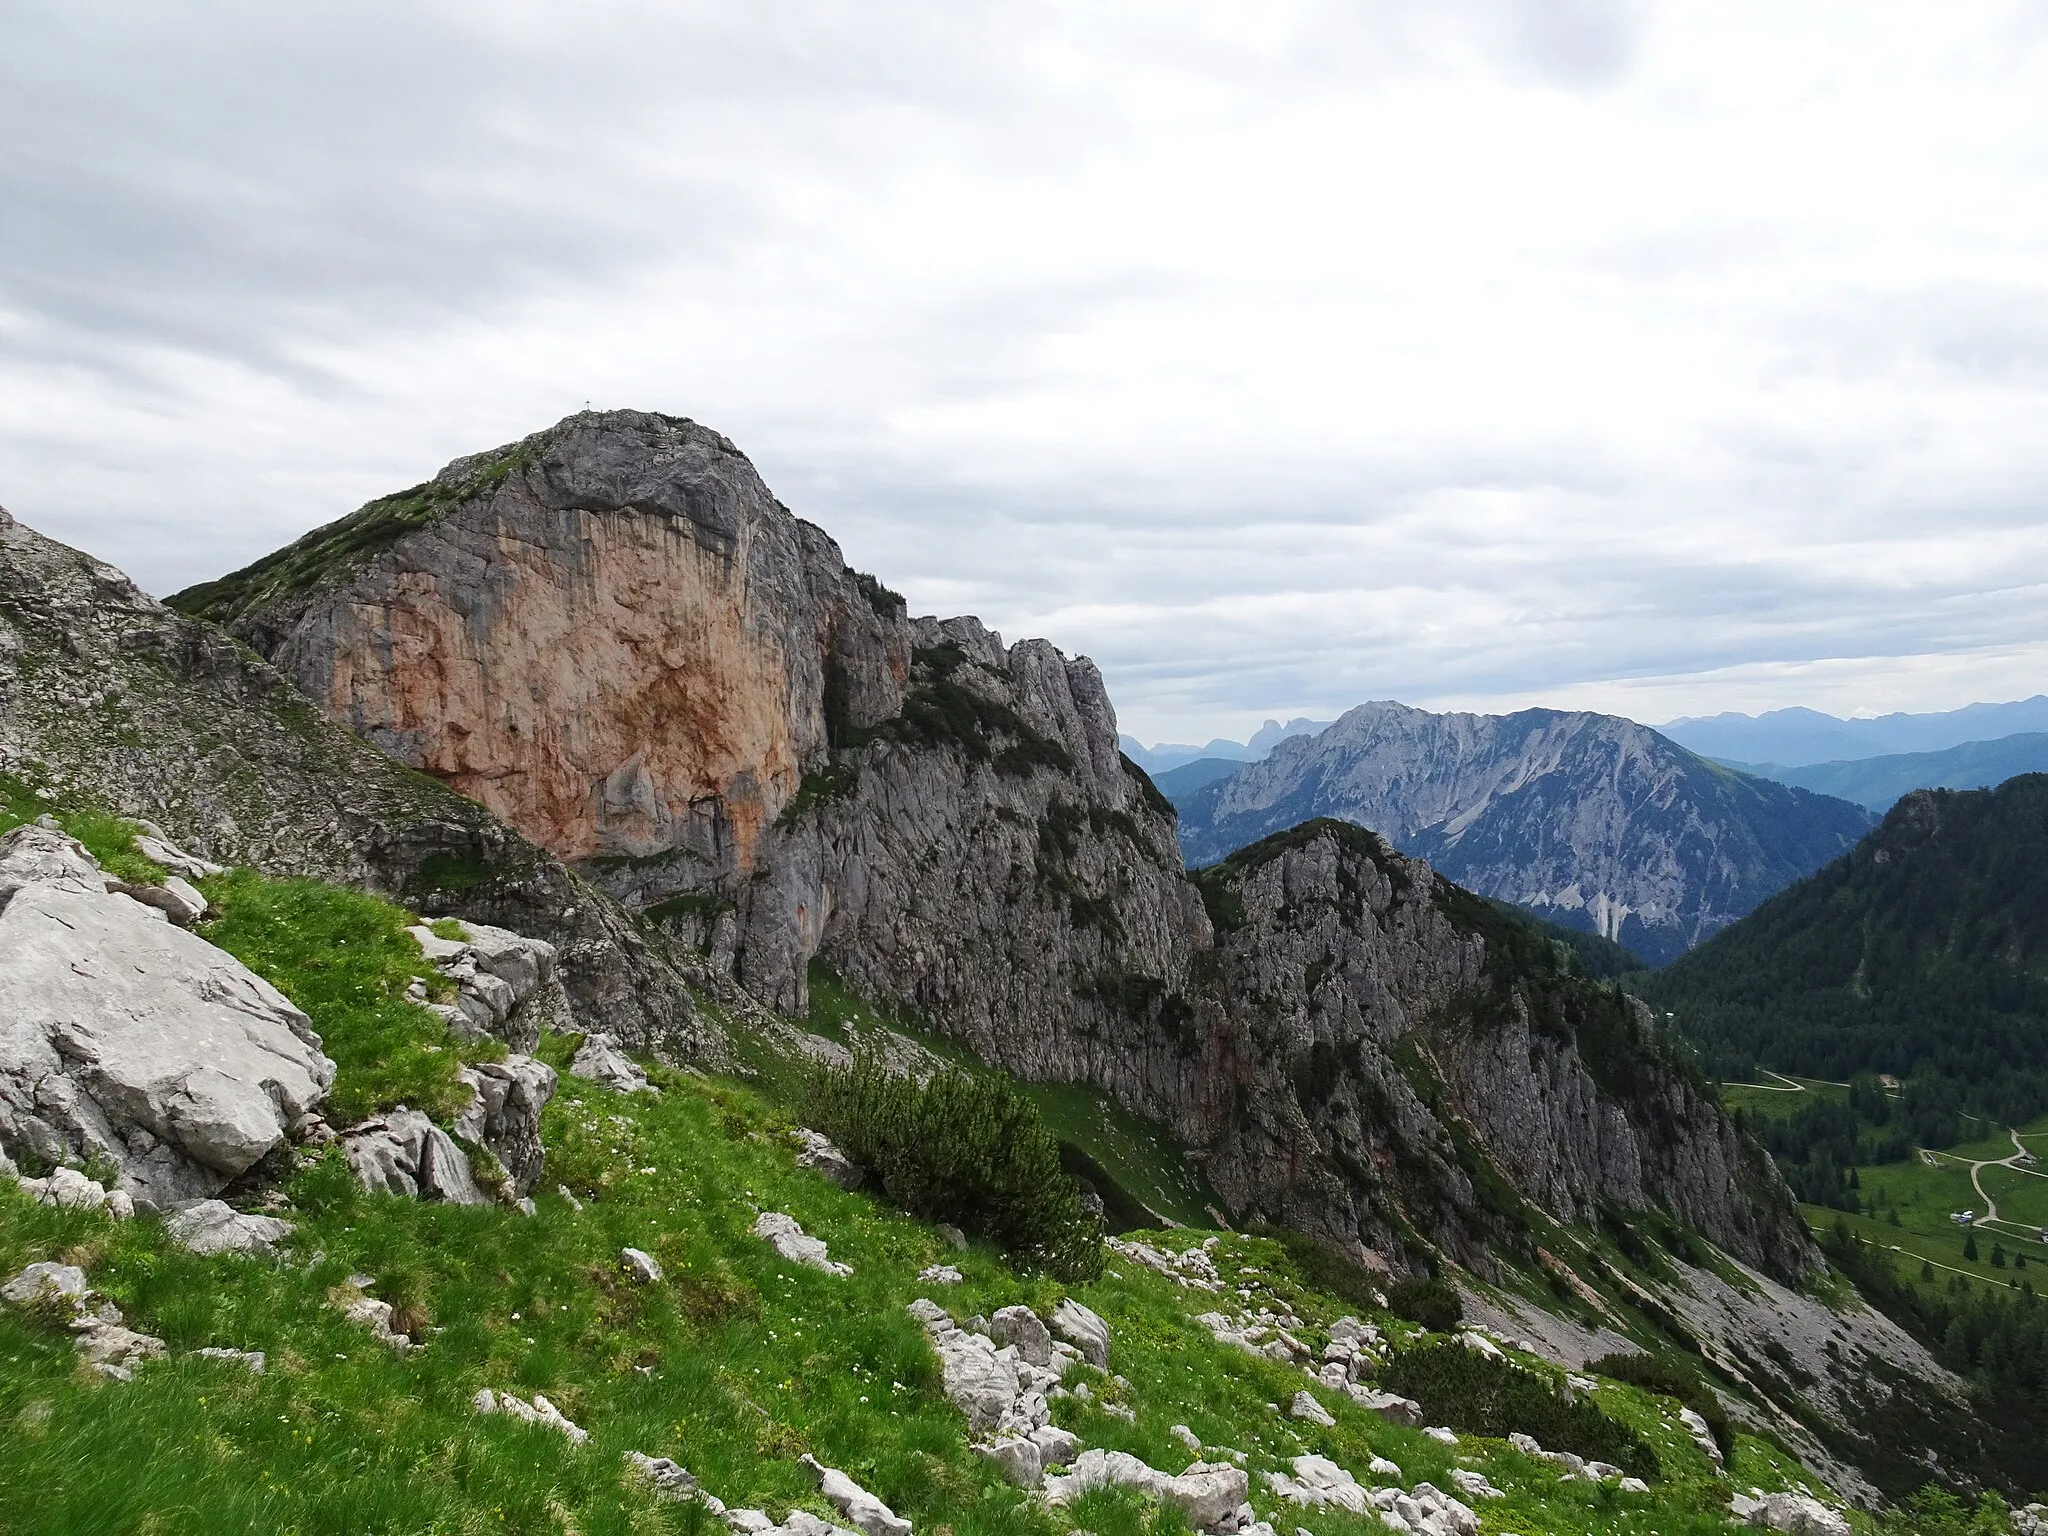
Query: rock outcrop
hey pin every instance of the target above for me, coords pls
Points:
(127, 1039)
(110, 698)
(614, 635)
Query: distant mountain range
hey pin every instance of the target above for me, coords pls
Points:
(1591, 821)
(1796, 737)
(1169, 755)
(1876, 783)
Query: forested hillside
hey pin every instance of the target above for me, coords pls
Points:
(1921, 955)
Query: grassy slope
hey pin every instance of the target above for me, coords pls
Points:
(734, 1365)
(1923, 1197)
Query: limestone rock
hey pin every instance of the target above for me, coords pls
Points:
(216, 745)
(368, 1312)
(44, 1279)
(939, 1274)
(1796, 1514)
(855, 1503)
(1318, 1481)
(133, 1040)
(600, 1059)
(402, 1152)
(640, 1266)
(1306, 1407)
(250, 1360)
(817, 1151)
(1084, 1330)
(1021, 1328)
(505, 983)
(504, 1113)
(1390, 1406)
(1207, 1492)
(540, 1411)
(214, 1226)
(672, 1482)
(786, 1237)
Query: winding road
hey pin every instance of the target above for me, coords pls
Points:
(1977, 1167)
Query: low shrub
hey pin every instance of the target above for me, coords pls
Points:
(1433, 1303)
(963, 1149)
(1673, 1377)
(1471, 1391)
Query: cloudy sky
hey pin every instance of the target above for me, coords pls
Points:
(1663, 358)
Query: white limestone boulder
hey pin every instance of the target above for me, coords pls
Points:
(600, 1060)
(402, 1152)
(214, 1226)
(129, 1039)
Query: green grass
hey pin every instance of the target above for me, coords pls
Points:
(1922, 1197)
(108, 838)
(345, 958)
(734, 1365)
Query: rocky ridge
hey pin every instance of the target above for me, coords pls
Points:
(1591, 820)
(948, 822)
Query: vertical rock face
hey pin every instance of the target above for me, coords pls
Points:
(612, 634)
(112, 698)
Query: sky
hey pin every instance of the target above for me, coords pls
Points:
(1659, 358)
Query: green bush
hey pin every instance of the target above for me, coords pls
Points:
(969, 1150)
(1467, 1390)
(1673, 1377)
(1432, 1303)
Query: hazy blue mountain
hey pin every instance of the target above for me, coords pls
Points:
(1591, 821)
(1188, 777)
(1797, 737)
(1877, 783)
(1169, 755)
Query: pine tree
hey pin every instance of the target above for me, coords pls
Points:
(1926, 1272)
(1998, 1255)
(1970, 1247)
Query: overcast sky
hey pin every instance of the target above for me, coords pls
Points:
(1656, 358)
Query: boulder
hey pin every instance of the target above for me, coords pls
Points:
(214, 1226)
(639, 1266)
(1306, 1407)
(1318, 1482)
(155, 845)
(859, 1507)
(1207, 1492)
(504, 1111)
(815, 1150)
(505, 983)
(782, 1233)
(940, 1274)
(1084, 1330)
(670, 1481)
(1395, 1409)
(600, 1059)
(405, 1153)
(1796, 1514)
(1021, 1328)
(44, 1281)
(1019, 1460)
(131, 1040)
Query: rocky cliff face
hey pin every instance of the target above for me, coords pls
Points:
(610, 634)
(614, 635)
(1593, 821)
(109, 697)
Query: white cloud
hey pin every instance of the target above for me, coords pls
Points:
(1278, 355)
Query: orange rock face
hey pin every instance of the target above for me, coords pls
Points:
(598, 708)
